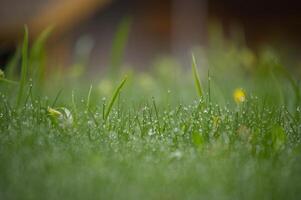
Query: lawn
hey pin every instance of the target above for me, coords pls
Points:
(226, 127)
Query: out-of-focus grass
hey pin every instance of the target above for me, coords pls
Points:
(119, 44)
(196, 77)
(157, 138)
(24, 67)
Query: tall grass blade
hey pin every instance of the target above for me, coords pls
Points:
(74, 105)
(56, 98)
(115, 94)
(157, 114)
(209, 86)
(89, 97)
(12, 65)
(24, 66)
(37, 55)
(197, 81)
(294, 85)
(118, 46)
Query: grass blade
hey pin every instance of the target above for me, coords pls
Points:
(74, 105)
(197, 81)
(56, 98)
(118, 46)
(8, 81)
(12, 65)
(3, 79)
(115, 94)
(37, 55)
(89, 97)
(157, 114)
(24, 66)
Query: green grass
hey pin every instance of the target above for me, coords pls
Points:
(118, 46)
(197, 81)
(158, 137)
(24, 67)
(113, 99)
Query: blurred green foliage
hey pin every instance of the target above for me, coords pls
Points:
(160, 136)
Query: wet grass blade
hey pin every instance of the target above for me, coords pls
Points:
(115, 94)
(118, 46)
(89, 97)
(197, 81)
(74, 105)
(24, 66)
(157, 114)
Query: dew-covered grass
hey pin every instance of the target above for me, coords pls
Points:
(166, 133)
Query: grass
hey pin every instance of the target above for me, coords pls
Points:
(119, 44)
(113, 99)
(24, 67)
(158, 138)
(196, 77)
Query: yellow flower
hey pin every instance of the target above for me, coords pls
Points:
(239, 95)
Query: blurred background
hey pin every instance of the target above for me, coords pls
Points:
(158, 27)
